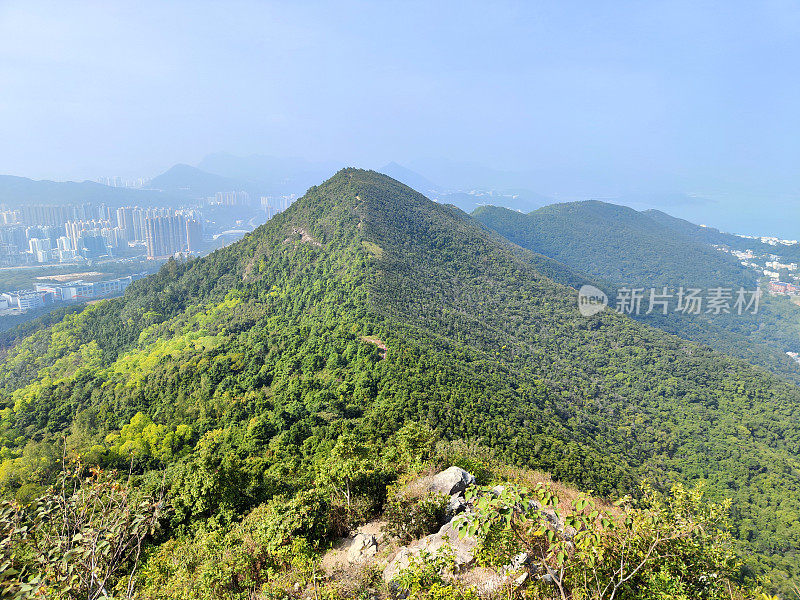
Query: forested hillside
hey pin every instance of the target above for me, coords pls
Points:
(619, 247)
(236, 380)
(616, 243)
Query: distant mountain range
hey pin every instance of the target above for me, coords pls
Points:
(411, 178)
(266, 175)
(257, 175)
(277, 175)
(466, 199)
(191, 182)
(467, 186)
(20, 191)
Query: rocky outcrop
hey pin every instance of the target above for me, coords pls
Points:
(455, 505)
(363, 547)
(451, 481)
(371, 547)
(463, 550)
(508, 581)
(401, 561)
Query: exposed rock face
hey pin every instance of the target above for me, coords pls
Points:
(432, 544)
(455, 505)
(451, 481)
(362, 547)
(507, 581)
(511, 577)
(402, 560)
(448, 536)
(487, 582)
(519, 561)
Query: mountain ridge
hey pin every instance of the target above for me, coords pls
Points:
(557, 229)
(618, 247)
(18, 191)
(267, 335)
(191, 182)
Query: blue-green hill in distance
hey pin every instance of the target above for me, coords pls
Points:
(21, 191)
(617, 247)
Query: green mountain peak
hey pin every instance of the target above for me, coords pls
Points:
(365, 306)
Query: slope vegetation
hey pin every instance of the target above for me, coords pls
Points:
(363, 307)
(619, 247)
(618, 244)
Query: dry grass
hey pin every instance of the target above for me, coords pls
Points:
(566, 494)
(415, 488)
(351, 581)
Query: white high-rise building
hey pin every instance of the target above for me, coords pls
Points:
(41, 249)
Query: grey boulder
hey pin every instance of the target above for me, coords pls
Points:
(451, 481)
(463, 550)
(362, 547)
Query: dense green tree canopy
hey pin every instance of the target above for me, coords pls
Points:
(617, 247)
(365, 306)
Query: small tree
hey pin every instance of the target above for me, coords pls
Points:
(348, 460)
(83, 539)
(666, 546)
(415, 443)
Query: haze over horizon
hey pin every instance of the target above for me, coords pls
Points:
(686, 107)
(399, 299)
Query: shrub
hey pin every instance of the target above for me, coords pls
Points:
(477, 460)
(271, 540)
(498, 548)
(429, 577)
(671, 546)
(426, 571)
(81, 540)
(411, 518)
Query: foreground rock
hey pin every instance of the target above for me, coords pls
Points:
(452, 481)
(455, 505)
(363, 547)
(431, 545)
(508, 581)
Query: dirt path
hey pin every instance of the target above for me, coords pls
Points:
(383, 349)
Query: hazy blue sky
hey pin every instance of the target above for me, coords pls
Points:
(590, 98)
